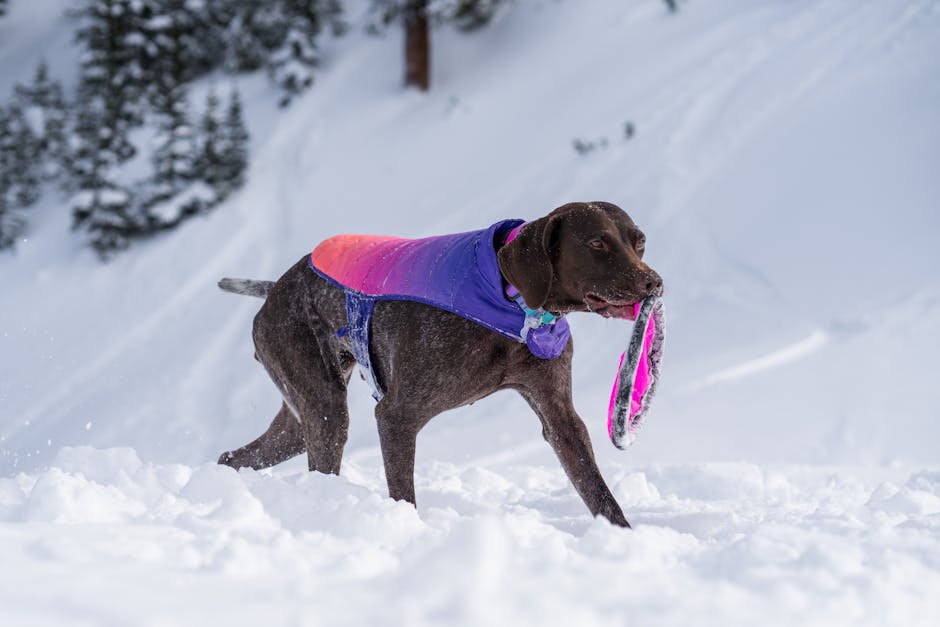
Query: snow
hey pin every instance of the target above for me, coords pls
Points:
(783, 166)
(197, 194)
(159, 543)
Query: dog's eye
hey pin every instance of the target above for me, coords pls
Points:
(597, 244)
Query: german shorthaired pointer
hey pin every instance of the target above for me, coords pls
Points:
(580, 257)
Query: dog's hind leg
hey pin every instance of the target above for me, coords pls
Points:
(313, 383)
(321, 402)
(283, 439)
(311, 370)
(322, 426)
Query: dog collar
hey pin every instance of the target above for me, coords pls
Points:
(534, 317)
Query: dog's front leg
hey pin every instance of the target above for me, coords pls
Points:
(398, 438)
(565, 432)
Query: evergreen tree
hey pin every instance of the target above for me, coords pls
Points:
(293, 62)
(23, 157)
(11, 221)
(3, 7)
(209, 46)
(211, 165)
(279, 35)
(102, 206)
(112, 34)
(170, 35)
(223, 147)
(45, 105)
(30, 127)
(252, 30)
(109, 105)
(19, 172)
(174, 160)
(234, 146)
(174, 156)
(466, 15)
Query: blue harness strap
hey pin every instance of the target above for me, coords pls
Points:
(358, 328)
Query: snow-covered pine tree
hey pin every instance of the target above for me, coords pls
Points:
(291, 65)
(208, 48)
(279, 35)
(22, 147)
(223, 146)
(102, 207)
(238, 36)
(253, 28)
(11, 220)
(466, 15)
(112, 35)
(172, 32)
(19, 172)
(169, 200)
(44, 106)
(211, 165)
(234, 147)
(30, 126)
(109, 104)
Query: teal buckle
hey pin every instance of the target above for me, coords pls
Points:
(535, 317)
(540, 316)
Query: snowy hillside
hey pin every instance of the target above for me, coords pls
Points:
(784, 168)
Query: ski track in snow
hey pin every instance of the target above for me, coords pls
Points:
(716, 87)
(794, 352)
(153, 534)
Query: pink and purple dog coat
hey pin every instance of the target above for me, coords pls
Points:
(458, 273)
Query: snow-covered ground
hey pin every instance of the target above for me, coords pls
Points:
(102, 538)
(784, 167)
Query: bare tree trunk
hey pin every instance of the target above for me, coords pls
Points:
(417, 45)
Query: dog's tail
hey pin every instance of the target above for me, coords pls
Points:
(247, 287)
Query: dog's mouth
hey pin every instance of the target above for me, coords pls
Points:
(625, 309)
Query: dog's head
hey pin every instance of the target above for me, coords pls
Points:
(581, 257)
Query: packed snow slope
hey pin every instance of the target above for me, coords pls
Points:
(784, 167)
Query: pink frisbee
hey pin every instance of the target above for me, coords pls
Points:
(637, 375)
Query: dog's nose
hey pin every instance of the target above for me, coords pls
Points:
(654, 284)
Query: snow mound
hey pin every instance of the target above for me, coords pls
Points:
(823, 546)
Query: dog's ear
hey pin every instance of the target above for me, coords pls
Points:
(527, 262)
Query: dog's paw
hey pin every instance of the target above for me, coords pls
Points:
(228, 459)
(612, 512)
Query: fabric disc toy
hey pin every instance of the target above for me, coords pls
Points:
(638, 374)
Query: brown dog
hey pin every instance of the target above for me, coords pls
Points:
(580, 257)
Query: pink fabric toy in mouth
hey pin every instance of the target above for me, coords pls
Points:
(637, 374)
